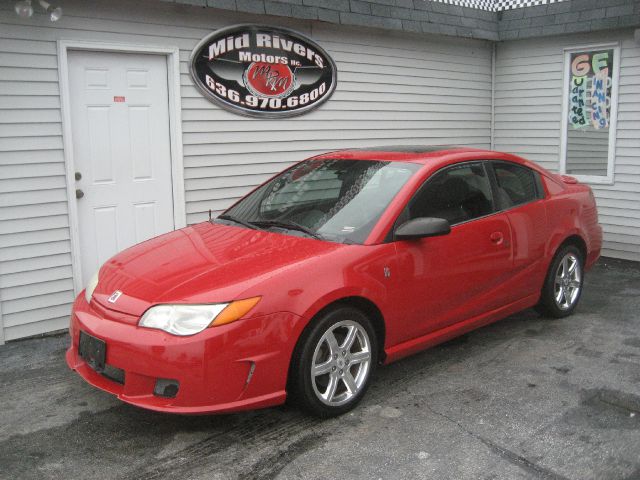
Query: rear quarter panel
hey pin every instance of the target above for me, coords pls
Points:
(571, 210)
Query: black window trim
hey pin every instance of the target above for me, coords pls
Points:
(490, 176)
(540, 193)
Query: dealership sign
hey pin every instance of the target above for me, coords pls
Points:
(263, 71)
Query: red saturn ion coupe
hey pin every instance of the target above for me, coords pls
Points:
(342, 262)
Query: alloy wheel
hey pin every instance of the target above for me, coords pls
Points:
(568, 282)
(341, 363)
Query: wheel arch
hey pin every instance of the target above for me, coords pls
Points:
(574, 238)
(373, 313)
(569, 236)
(366, 306)
(546, 305)
(577, 241)
(363, 304)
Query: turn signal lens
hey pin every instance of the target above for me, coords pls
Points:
(235, 311)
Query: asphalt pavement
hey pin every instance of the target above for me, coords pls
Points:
(524, 398)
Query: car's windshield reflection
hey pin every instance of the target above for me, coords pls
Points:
(337, 199)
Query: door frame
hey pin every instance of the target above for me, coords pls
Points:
(172, 55)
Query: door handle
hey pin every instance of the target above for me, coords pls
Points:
(497, 237)
(79, 193)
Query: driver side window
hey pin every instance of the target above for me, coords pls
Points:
(457, 194)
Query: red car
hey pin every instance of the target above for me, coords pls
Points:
(342, 262)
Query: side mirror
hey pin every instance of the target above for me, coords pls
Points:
(422, 227)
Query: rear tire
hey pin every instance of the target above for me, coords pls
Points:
(563, 285)
(333, 362)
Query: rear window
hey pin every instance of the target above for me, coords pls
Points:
(516, 184)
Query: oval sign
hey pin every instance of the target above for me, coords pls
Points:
(263, 71)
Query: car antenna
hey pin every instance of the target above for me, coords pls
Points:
(209, 214)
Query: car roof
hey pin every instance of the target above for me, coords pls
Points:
(432, 155)
(400, 153)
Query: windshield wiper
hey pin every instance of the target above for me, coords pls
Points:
(231, 218)
(289, 225)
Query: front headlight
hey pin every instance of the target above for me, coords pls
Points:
(185, 320)
(91, 286)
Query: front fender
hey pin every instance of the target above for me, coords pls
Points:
(352, 271)
(379, 299)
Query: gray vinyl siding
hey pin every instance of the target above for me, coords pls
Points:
(392, 88)
(528, 111)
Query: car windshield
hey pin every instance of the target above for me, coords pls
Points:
(337, 200)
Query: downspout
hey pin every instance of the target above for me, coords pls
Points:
(493, 93)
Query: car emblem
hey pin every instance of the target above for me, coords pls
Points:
(114, 296)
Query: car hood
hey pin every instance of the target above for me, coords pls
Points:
(204, 263)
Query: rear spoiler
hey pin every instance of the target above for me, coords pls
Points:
(568, 179)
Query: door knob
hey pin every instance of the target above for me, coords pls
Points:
(79, 193)
(496, 237)
(78, 176)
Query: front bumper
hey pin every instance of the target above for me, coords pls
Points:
(242, 365)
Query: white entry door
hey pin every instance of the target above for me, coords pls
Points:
(121, 150)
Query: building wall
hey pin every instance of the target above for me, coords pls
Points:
(528, 113)
(392, 88)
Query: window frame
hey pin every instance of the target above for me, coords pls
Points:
(607, 179)
(537, 179)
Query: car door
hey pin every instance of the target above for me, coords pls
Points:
(447, 279)
(520, 194)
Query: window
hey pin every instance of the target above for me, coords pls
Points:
(590, 108)
(308, 184)
(516, 185)
(337, 199)
(457, 194)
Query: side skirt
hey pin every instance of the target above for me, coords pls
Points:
(418, 344)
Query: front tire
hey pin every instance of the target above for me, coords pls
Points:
(563, 284)
(333, 362)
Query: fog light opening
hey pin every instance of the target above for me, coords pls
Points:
(113, 373)
(166, 388)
